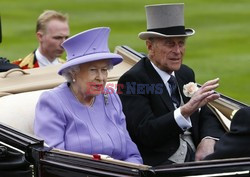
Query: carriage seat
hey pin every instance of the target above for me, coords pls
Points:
(18, 110)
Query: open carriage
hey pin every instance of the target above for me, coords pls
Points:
(19, 91)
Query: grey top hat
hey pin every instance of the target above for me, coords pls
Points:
(165, 20)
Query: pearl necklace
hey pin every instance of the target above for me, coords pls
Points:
(91, 102)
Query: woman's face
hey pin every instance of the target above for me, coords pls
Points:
(92, 77)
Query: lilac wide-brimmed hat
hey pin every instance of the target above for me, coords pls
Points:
(165, 20)
(88, 46)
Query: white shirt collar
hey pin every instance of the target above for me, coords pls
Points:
(164, 76)
(43, 61)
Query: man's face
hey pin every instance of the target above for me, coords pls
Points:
(166, 53)
(50, 40)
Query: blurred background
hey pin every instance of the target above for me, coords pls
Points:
(220, 47)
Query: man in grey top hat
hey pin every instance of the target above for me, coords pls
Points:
(167, 126)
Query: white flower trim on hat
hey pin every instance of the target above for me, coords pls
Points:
(190, 89)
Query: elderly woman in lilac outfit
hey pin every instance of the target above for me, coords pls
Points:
(81, 115)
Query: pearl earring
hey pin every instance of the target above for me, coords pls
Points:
(73, 80)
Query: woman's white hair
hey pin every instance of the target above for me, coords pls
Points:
(68, 73)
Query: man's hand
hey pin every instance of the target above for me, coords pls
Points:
(205, 148)
(201, 97)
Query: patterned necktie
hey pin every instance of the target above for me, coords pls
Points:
(174, 91)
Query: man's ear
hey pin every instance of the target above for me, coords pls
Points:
(39, 35)
(149, 44)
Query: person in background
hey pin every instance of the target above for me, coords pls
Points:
(167, 126)
(87, 117)
(5, 64)
(52, 30)
(234, 144)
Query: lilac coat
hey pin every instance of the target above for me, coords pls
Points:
(64, 123)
